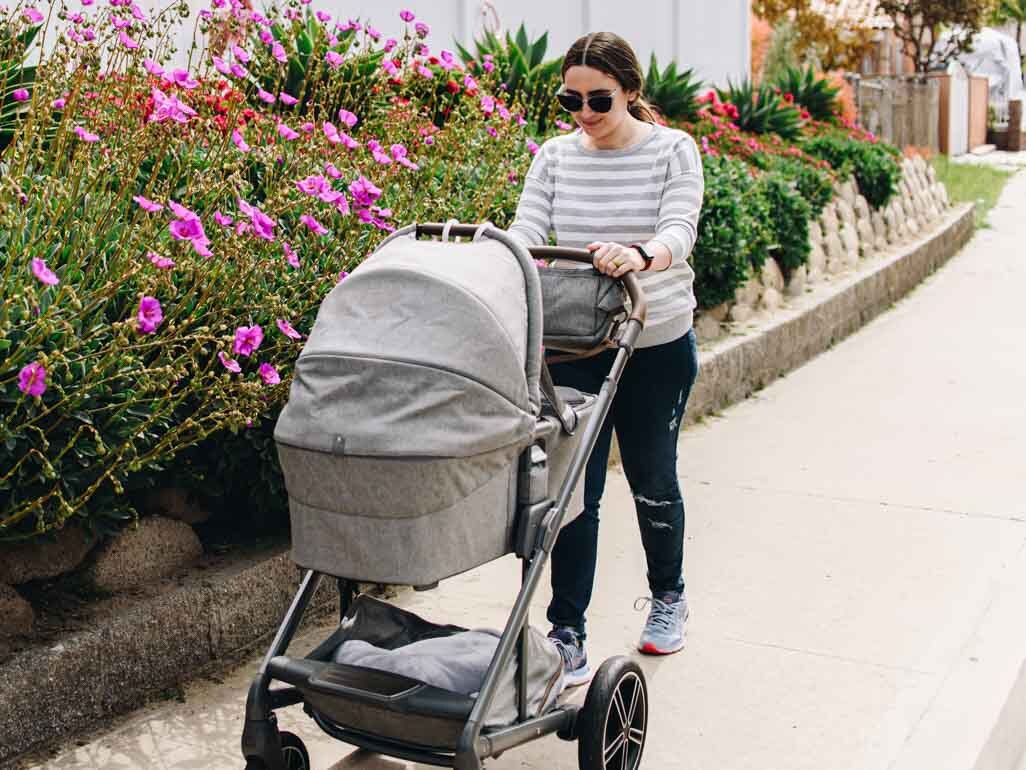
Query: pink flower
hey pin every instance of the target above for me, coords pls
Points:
(221, 65)
(169, 108)
(32, 379)
(137, 12)
(469, 83)
(330, 170)
(487, 104)
(126, 41)
(390, 67)
(20, 94)
(188, 227)
(364, 191)
(239, 141)
(503, 112)
(313, 224)
(424, 72)
(390, 45)
(32, 15)
(562, 125)
(238, 70)
(323, 16)
(333, 58)
(153, 68)
(407, 16)
(183, 78)
(492, 132)
(286, 328)
(240, 54)
(287, 100)
(44, 274)
(86, 136)
(146, 204)
(247, 339)
(223, 219)
(265, 96)
(268, 374)
(278, 52)
(337, 137)
(422, 29)
(290, 256)
(347, 117)
(150, 314)
(58, 104)
(287, 132)
(399, 152)
(229, 363)
(266, 37)
(372, 33)
(342, 276)
(263, 225)
(532, 147)
(162, 263)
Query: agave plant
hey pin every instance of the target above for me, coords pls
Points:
(813, 93)
(673, 93)
(520, 65)
(761, 110)
(14, 77)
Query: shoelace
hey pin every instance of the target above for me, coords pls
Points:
(661, 615)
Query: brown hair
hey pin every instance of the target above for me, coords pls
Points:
(611, 54)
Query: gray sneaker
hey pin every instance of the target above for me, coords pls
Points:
(666, 624)
(575, 660)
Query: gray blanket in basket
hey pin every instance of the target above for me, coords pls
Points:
(456, 663)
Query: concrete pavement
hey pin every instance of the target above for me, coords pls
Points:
(856, 564)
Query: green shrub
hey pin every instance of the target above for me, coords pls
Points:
(814, 184)
(875, 166)
(674, 94)
(789, 220)
(761, 111)
(732, 235)
(15, 77)
(808, 90)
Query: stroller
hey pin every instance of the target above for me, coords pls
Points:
(424, 437)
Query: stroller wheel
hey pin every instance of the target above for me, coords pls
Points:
(293, 752)
(613, 722)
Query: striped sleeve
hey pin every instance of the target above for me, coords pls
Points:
(533, 220)
(681, 201)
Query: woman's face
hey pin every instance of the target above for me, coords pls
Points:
(586, 81)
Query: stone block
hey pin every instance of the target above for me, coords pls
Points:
(834, 247)
(850, 242)
(815, 232)
(156, 548)
(836, 266)
(862, 210)
(867, 238)
(46, 557)
(748, 293)
(879, 223)
(846, 213)
(175, 503)
(17, 613)
(828, 220)
(848, 191)
(796, 284)
(772, 276)
(719, 312)
(707, 328)
(771, 300)
(741, 313)
(816, 262)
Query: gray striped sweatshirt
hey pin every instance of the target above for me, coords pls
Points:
(650, 191)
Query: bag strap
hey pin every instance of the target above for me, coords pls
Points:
(566, 415)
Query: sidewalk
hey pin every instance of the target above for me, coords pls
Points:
(855, 563)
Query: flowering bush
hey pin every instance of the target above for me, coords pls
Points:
(167, 237)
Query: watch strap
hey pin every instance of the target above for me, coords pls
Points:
(644, 255)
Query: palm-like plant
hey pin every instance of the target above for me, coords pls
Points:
(520, 65)
(761, 110)
(673, 93)
(813, 93)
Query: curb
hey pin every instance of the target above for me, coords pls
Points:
(211, 618)
(734, 368)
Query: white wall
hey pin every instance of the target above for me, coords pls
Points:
(711, 36)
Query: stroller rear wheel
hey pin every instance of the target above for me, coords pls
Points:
(294, 755)
(613, 722)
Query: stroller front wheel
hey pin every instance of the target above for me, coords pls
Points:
(294, 755)
(613, 722)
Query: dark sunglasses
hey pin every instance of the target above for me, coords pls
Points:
(574, 102)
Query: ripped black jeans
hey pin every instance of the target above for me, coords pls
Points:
(647, 412)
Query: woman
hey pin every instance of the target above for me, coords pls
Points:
(630, 191)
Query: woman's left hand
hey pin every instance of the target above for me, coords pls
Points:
(615, 259)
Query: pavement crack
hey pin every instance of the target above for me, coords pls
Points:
(831, 656)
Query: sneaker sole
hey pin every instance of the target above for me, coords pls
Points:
(578, 677)
(651, 649)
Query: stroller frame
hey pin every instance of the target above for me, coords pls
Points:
(262, 743)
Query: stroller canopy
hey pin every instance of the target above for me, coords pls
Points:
(421, 352)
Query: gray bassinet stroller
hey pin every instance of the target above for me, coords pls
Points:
(422, 438)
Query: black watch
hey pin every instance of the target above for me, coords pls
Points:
(644, 255)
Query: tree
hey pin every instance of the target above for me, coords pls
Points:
(1010, 10)
(818, 40)
(921, 24)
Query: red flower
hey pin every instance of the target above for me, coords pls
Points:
(452, 87)
(789, 98)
